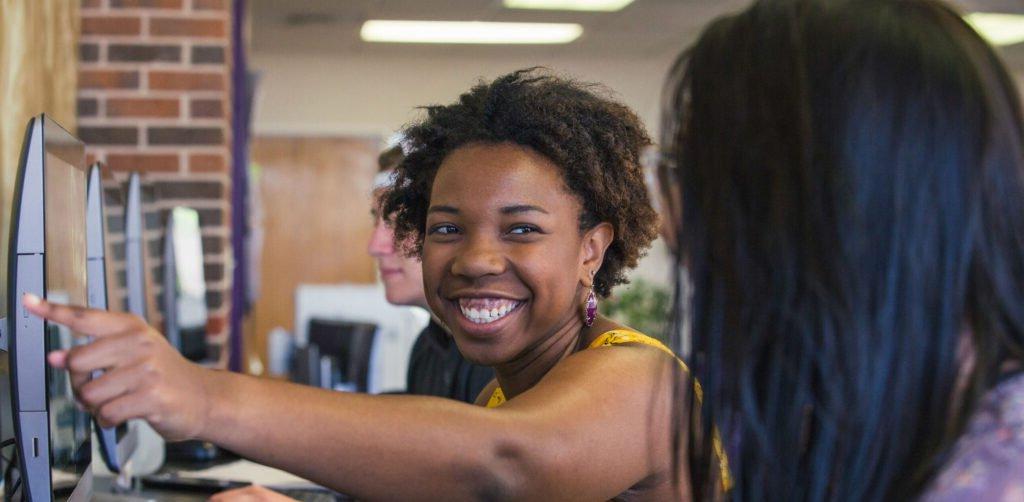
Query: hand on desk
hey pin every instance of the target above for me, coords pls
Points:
(250, 493)
(144, 376)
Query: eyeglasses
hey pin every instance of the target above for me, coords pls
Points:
(661, 175)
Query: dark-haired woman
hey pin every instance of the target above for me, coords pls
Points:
(527, 204)
(847, 183)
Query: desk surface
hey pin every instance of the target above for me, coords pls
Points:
(231, 468)
(102, 493)
(243, 470)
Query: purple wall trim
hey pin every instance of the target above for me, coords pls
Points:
(241, 108)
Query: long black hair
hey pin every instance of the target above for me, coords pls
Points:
(848, 179)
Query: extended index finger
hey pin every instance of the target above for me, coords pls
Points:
(81, 320)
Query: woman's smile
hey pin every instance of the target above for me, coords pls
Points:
(486, 310)
(484, 315)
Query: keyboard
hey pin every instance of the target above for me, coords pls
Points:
(311, 494)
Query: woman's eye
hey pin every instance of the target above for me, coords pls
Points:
(443, 229)
(523, 230)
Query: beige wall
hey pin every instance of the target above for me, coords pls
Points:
(361, 94)
(38, 55)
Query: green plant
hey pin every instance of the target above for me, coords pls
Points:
(642, 306)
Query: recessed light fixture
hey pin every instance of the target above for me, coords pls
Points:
(998, 29)
(469, 32)
(584, 5)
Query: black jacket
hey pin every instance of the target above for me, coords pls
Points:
(436, 368)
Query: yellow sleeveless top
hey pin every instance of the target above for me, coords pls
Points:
(623, 336)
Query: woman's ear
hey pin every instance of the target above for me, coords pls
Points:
(595, 244)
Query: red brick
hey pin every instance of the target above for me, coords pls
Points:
(207, 108)
(184, 188)
(142, 162)
(215, 325)
(207, 163)
(87, 107)
(91, 4)
(140, 107)
(190, 135)
(185, 81)
(88, 53)
(214, 299)
(209, 4)
(108, 79)
(90, 158)
(181, 27)
(208, 54)
(146, 4)
(109, 135)
(110, 25)
(143, 53)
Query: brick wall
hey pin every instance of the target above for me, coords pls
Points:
(154, 97)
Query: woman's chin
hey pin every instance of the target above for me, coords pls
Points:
(491, 351)
(481, 353)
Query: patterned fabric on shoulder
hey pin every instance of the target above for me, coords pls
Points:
(988, 460)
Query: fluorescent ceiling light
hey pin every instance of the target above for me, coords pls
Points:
(998, 29)
(590, 5)
(471, 32)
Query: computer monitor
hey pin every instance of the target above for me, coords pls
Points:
(134, 249)
(185, 313)
(306, 366)
(96, 280)
(140, 449)
(184, 305)
(349, 345)
(47, 257)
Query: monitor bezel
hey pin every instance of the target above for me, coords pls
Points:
(26, 267)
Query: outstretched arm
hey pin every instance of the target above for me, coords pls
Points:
(597, 423)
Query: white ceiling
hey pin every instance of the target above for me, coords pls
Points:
(644, 29)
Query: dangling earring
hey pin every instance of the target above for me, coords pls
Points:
(590, 309)
(590, 306)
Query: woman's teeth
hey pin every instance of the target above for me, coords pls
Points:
(486, 310)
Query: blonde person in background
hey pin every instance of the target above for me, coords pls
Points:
(436, 367)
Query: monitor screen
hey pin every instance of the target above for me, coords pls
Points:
(64, 183)
(188, 262)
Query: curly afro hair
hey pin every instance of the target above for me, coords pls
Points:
(596, 142)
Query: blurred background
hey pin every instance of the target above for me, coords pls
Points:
(267, 116)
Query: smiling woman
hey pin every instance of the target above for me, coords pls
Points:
(526, 202)
(526, 196)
